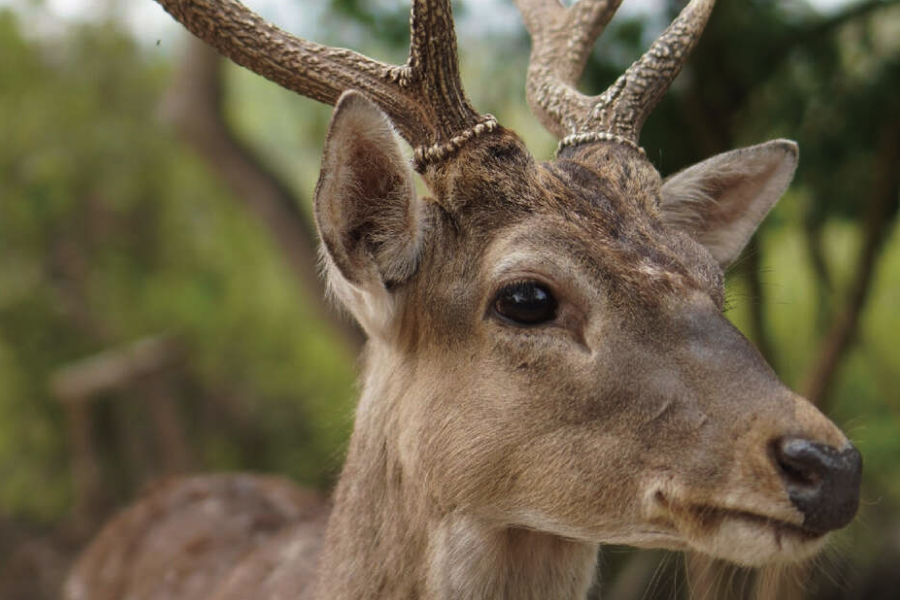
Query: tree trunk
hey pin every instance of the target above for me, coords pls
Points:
(885, 195)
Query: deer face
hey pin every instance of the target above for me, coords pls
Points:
(560, 360)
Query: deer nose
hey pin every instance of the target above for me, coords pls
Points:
(822, 481)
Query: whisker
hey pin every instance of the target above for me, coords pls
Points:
(651, 586)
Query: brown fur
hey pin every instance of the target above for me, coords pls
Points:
(188, 537)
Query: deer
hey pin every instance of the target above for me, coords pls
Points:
(548, 367)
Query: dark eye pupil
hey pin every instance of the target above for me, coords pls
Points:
(526, 303)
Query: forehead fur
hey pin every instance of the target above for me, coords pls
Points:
(597, 202)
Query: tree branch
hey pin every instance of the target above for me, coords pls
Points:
(824, 27)
(828, 25)
(879, 219)
(194, 106)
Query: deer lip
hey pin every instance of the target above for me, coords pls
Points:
(708, 515)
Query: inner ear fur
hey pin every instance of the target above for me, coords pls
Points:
(722, 200)
(366, 208)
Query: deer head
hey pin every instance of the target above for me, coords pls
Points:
(547, 346)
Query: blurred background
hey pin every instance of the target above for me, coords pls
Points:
(160, 311)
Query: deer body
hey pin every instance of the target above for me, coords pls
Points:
(548, 368)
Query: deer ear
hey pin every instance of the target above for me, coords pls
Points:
(367, 211)
(722, 200)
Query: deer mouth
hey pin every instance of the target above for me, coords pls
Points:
(741, 536)
(709, 517)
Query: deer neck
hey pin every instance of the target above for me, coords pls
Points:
(387, 540)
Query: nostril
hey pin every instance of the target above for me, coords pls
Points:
(821, 481)
(799, 461)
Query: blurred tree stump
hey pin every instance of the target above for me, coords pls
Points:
(139, 370)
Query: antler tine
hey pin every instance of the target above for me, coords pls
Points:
(424, 98)
(588, 19)
(622, 109)
(562, 39)
(433, 61)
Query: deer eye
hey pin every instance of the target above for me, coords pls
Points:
(525, 303)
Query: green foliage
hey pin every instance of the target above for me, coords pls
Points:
(389, 21)
(110, 231)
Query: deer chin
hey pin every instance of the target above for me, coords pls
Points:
(744, 537)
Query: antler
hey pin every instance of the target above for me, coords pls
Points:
(423, 98)
(562, 39)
